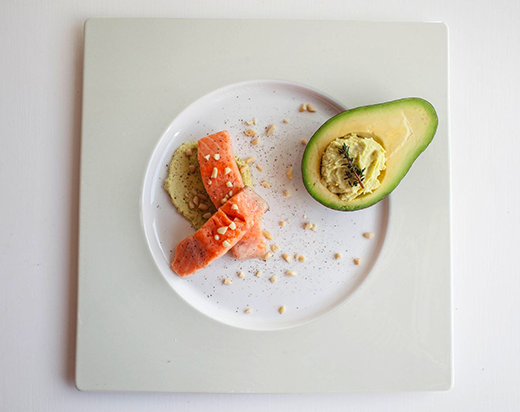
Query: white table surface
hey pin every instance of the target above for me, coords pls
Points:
(40, 106)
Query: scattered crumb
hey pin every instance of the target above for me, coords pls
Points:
(286, 193)
(310, 108)
(286, 120)
(268, 256)
(303, 107)
(303, 141)
(242, 169)
(227, 281)
(308, 226)
(301, 258)
(357, 261)
(291, 273)
(304, 216)
(259, 168)
(272, 279)
(255, 141)
(265, 184)
(314, 227)
(275, 247)
(250, 122)
(337, 256)
(250, 132)
(258, 273)
(281, 310)
(368, 235)
(241, 275)
(296, 255)
(267, 235)
(247, 311)
(270, 130)
(287, 257)
(281, 223)
(250, 160)
(289, 173)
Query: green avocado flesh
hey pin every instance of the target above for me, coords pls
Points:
(404, 128)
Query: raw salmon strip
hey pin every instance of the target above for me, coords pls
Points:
(221, 178)
(238, 215)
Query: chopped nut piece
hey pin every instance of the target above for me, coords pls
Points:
(221, 230)
(255, 141)
(265, 184)
(337, 256)
(232, 226)
(230, 193)
(216, 156)
(310, 108)
(216, 237)
(286, 193)
(289, 173)
(304, 216)
(368, 235)
(281, 310)
(250, 160)
(286, 120)
(303, 141)
(308, 226)
(270, 130)
(291, 273)
(206, 157)
(209, 182)
(287, 258)
(227, 281)
(301, 258)
(268, 256)
(196, 200)
(250, 132)
(191, 168)
(225, 243)
(214, 173)
(357, 261)
(254, 121)
(272, 279)
(229, 184)
(194, 192)
(227, 171)
(267, 235)
(259, 168)
(275, 247)
(314, 227)
(247, 311)
(258, 273)
(241, 275)
(203, 206)
(234, 207)
(206, 215)
(303, 107)
(223, 200)
(281, 223)
(296, 255)
(191, 205)
(249, 122)
(202, 197)
(189, 152)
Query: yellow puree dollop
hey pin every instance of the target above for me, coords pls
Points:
(366, 154)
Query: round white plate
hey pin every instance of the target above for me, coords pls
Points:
(322, 282)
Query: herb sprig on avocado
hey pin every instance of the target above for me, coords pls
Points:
(353, 170)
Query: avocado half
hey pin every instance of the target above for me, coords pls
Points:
(403, 127)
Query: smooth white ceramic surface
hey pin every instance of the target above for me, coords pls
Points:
(135, 334)
(40, 112)
(322, 282)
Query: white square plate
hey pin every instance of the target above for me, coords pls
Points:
(135, 333)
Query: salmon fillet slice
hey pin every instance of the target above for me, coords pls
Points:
(221, 178)
(238, 216)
